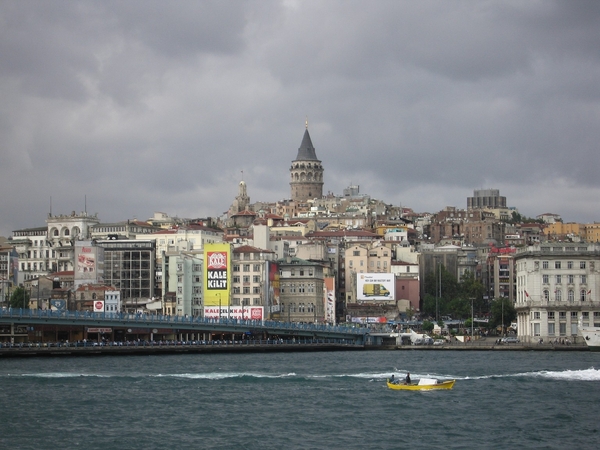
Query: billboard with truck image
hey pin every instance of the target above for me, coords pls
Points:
(375, 286)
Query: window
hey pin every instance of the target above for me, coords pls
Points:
(569, 264)
(546, 294)
(551, 330)
(558, 279)
(256, 279)
(563, 328)
(236, 268)
(356, 253)
(536, 329)
(562, 315)
(246, 267)
(545, 279)
(582, 264)
(571, 295)
(570, 279)
(536, 315)
(582, 295)
(246, 290)
(236, 278)
(583, 279)
(558, 295)
(550, 315)
(557, 264)
(544, 264)
(256, 267)
(246, 279)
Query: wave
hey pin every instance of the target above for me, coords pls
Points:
(223, 375)
(590, 374)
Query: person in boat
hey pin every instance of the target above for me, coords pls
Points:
(392, 379)
(407, 379)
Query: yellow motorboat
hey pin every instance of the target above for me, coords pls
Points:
(422, 385)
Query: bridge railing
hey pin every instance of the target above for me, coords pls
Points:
(158, 319)
(171, 343)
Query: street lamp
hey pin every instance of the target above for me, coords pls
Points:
(472, 317)
(219, 294)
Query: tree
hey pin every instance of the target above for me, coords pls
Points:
(503, 312)
(427, 326)
(19, 298)
(432, 298)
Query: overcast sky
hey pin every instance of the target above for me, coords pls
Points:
(133, 107)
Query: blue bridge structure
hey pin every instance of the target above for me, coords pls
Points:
(25, 326)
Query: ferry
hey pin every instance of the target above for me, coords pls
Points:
(591, 336)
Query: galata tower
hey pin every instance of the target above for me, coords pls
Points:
(306, 173)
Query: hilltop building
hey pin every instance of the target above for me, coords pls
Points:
(306, 172)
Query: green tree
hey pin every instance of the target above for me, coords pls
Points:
(19, 298)
(503, 312)
(427, 326)
(448, 288)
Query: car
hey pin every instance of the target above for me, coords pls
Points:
(439, 342)
(510, 340)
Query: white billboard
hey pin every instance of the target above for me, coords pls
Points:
(375, 286)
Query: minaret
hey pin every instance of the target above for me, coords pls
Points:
(306, 172)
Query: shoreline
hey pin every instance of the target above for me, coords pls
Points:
(33, 352)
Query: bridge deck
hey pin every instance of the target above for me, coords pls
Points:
(179, 324)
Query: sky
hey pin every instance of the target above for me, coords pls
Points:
(126, 107)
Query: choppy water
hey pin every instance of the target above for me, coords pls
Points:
(332, 400)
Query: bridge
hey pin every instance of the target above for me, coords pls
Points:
(18, 324)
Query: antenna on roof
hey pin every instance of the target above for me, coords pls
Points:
(306, 123)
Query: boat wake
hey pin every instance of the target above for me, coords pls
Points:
(590, 374)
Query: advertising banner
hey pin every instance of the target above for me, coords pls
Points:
(330, 300)
(273, 287)
(217, 274)
(89, 263)
(375, 286)
(98, 305)
(234, 312)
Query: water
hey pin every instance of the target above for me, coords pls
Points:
(333, 400)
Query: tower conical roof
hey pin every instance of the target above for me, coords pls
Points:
(306, 152)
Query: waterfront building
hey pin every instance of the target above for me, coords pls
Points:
(48, 249)
(557, 288)
(302, 290)
(182, 282)
(129, 266)
(250, 276)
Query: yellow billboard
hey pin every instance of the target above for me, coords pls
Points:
(217, 274)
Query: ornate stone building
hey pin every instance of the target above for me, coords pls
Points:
(306, 172)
